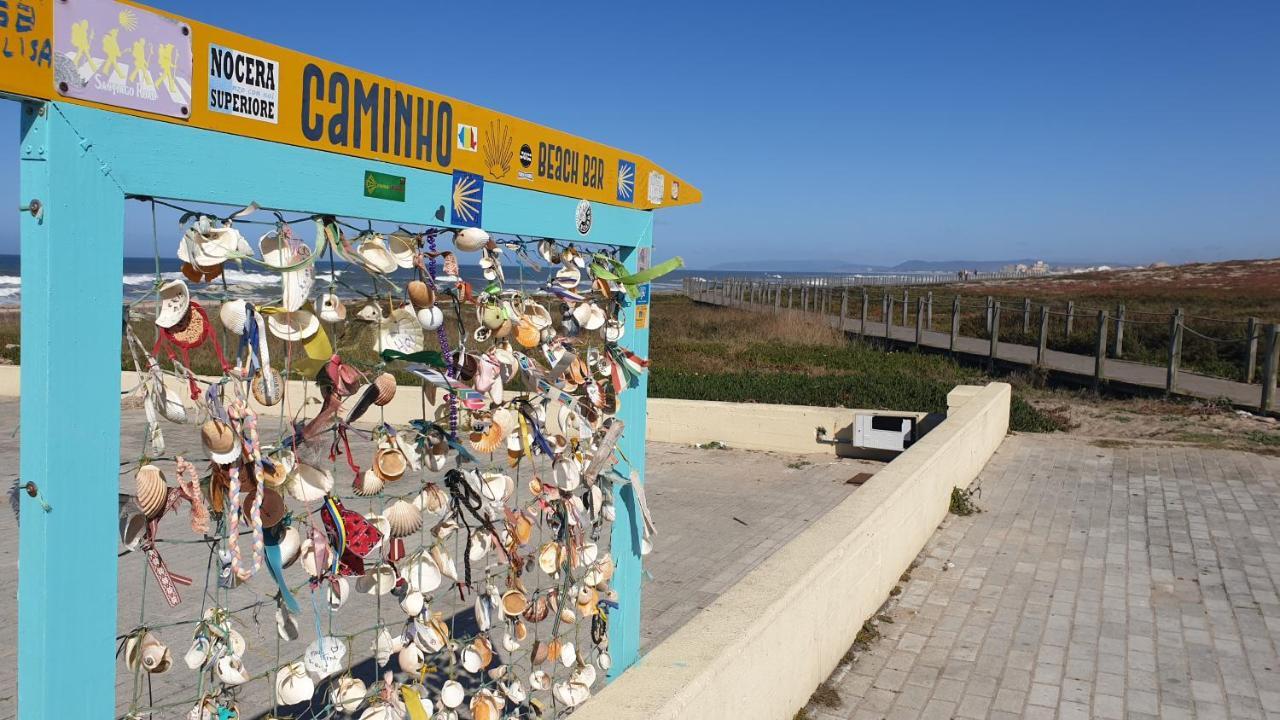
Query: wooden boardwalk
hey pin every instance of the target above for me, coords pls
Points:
(1114, 371)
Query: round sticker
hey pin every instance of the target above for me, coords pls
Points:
(583, 217)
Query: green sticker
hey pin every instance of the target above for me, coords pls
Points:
(383, 186)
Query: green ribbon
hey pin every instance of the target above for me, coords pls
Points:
(427, 357)
(617, 272)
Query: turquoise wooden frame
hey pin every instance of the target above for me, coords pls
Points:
(81, 164)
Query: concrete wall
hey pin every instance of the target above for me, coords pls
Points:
(757, 426)
(759, 650)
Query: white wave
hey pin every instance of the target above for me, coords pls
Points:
(10, 280)
(250, 278)
(10, 292)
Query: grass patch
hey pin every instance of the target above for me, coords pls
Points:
(1263, 437)
(962, 502)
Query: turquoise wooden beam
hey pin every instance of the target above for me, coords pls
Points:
(70, 422)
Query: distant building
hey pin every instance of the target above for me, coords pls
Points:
(1040, 268)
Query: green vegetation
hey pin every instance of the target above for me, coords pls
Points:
(962, 502)
(706, 353)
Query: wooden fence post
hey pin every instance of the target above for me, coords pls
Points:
(862, 319)
(1175, 351)
(1026, 316)
(990, 300)
(844, 307)
(928, 319)
(995, 335)
(884, 310)
(1100, 356)
(888, 319)
(1071, 316)
(1043, 346)
(804, 299)
(1251, 349)
(791, 297)
(1119, 345)
(1270, 360)
(919, 320)
(905, 306)
(955, 322)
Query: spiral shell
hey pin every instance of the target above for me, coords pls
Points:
(386, 387)
(420, 295)
(151, 490)
(404, 518)
(370, 484)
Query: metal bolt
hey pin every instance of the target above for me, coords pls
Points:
(34, 207)
(63, 87)
(30, 487)
(184, 110)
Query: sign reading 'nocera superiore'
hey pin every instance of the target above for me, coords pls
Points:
(248, 87)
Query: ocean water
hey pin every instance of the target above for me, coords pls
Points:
(253, 283)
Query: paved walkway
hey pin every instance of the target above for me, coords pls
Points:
(718, 513)
(1111, 583)
(1124, 372)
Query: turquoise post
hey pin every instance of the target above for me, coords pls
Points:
(624, 623)
(70, 422)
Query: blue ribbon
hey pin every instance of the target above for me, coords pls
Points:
(271, 551)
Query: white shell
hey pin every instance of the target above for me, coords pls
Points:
(481, 544)
(348, 693)
(430, 318)
(234, 315)
(381, 711)
(410, 658)
(539, 680)
(452, 694)
(231, 671)
(471, 660)
(514, 691)
(412, 603)
(509, 642)
(568, 654)
(422, 575)
(585, 675)
(199, 652)
(331, 308)
(151, 490)
(604, 661)
(378, 580)
(571, 694)
(567, 473)
(337, 597)
(401, 332)
(383, 646)
(470, 240)
(293, 684)
(403, 518)
(309, 483)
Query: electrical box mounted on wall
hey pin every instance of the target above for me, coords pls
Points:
(884, 432)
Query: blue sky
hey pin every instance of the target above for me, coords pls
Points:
(874, 133)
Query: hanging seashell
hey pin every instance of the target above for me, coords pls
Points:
(390, 463)
(386, 386)
(432, 499)
(151, 491)
(422, 574)
(383, 646)
(489, 439)
(413, 603)
(293, 684)
(470, 240)
(445, 563)
(403, 518)
(370, 484)
(484, 706)
(420, 294)
(265, 393)
(348, 693)
(551, 558)
(452, 694)
(410, 659)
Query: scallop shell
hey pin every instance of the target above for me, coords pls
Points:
(452, 694)
(293, 684)
(151, 490)
(422, 575)
(370, 484)
(386, 386)
(550, 558)
(390, 463)
(484, 706)
(489, 440)
(234, 316)
(403, 518)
